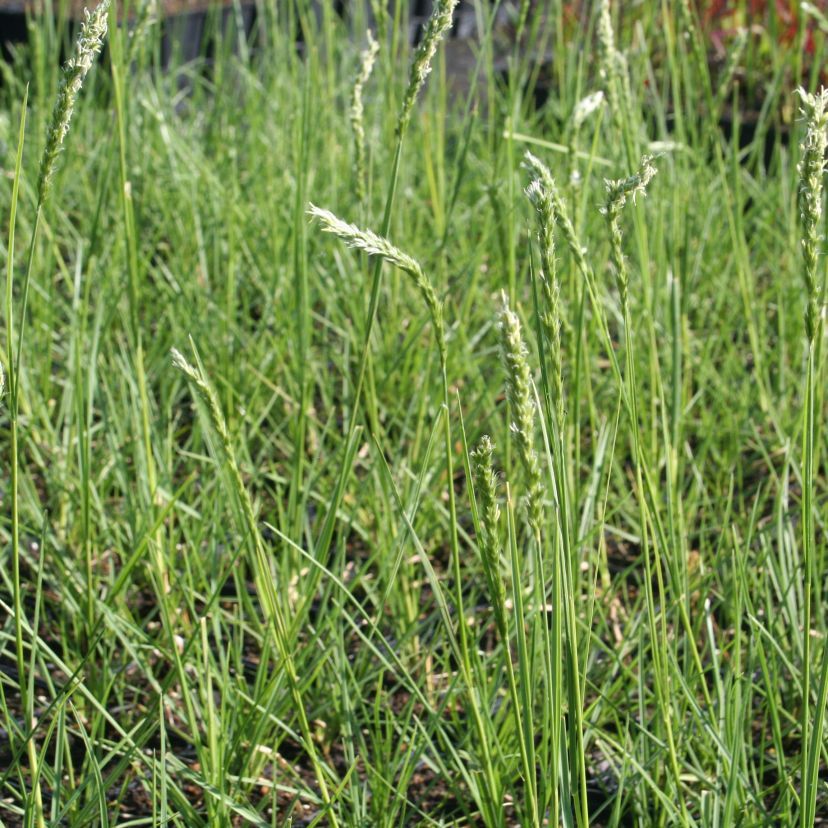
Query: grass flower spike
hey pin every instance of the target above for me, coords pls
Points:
(87, 47)
(540, 193)
(486, 488)
(521, 399)
(537, 169)
(811, 171)
(618, 192)
(613, 66)
(438, 24)
(368, 57)
(374, 245)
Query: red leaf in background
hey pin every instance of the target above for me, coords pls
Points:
(712, 11)
(720, 19)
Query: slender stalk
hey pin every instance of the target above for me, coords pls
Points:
(618, 193)
(13, 363)
(811, 171)
(486, 488)
(375, 245)
(261, 565)
(87, 47)
(437, 27)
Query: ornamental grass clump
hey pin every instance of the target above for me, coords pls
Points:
(375, 245)
(87, 47)
(485, 492)
(249, 526)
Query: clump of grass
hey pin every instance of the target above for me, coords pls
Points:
(485, 492)
(563, 682)
(86, 49)
(375, 245)
(226, 458)
(618, 193)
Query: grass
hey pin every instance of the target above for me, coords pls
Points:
(527, 528)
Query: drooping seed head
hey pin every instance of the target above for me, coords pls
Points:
(619, 190)
(375, 245)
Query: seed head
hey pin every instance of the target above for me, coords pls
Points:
(618, 192)
(811, 170)
(375, 245)
(368, 57)
(438, 24)
(540, 193)
(88, 45)
(485, 481)
(613, 65)
(521, 399)
(536, 169)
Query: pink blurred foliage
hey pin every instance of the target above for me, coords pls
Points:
(722, 18)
